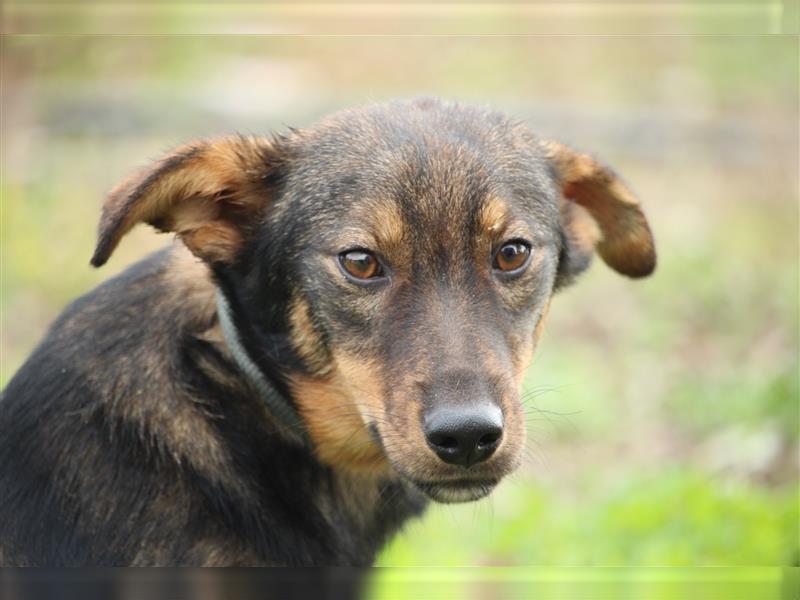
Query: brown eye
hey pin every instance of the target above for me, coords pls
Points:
(512, 256)
(360, 264)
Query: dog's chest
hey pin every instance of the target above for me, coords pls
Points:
(363, 514)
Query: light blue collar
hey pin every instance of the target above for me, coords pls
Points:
(276, 403)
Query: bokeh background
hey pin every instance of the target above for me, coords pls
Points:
(663, 420)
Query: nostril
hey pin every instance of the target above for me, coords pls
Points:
(489, 439)
(445, 442)
(448, 442)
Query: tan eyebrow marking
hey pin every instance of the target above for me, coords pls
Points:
(493, 216)
(378, 223)
(388, 224)
(496, 223)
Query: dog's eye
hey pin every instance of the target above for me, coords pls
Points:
(512, 256)
(360, 264)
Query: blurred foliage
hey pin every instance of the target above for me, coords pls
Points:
(663, 414)
(599, 583)
(673, 516)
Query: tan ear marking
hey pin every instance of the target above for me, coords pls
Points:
(205, 192)
(625, 243)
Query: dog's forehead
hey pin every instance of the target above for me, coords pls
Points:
(398, 146)
(433, 160)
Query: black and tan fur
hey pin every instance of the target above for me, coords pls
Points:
(130, 437)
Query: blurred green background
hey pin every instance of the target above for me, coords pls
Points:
(663, 424)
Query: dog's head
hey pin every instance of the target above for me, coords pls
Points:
(406, 253)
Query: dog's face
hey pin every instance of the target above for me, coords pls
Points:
(408, 252)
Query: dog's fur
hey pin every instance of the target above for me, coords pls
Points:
(131, 435)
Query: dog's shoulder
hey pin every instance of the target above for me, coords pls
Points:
(126, 332)
(167, 290)
(102, 411)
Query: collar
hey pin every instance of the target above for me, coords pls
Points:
(277, 404)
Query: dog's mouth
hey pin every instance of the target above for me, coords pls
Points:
(454, 491)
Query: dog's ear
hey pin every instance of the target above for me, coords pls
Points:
(210, 193)
(598, 213)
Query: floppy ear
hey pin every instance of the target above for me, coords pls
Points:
(598, 213)
(210, 193)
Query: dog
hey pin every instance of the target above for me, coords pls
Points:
(337, 337)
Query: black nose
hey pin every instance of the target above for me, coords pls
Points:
(464, 435)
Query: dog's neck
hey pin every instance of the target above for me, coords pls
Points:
(277, 404)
